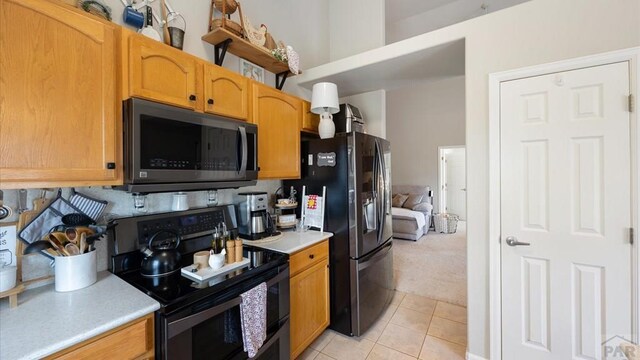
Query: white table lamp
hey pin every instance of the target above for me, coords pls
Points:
(324, 101)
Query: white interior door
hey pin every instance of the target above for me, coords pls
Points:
(566, 190)
(456, 186)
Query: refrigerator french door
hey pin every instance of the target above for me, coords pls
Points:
(356, 169)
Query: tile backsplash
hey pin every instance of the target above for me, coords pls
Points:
(120, 205)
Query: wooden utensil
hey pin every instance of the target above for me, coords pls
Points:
(165, 24)
(83, 243)
(58, 245)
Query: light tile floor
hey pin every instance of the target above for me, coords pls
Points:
(413, 327)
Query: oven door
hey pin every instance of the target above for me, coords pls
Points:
(165, 144)
(210, 329)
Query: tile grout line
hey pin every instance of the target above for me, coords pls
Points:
(425, 337)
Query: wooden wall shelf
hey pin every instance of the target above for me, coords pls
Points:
(225, 40)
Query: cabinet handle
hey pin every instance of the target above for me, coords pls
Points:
(311, 256)
(192, 97)
(111, 165)
(210, 101)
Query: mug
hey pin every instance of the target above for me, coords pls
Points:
(180, 202)
(132, 17)
(201, 259)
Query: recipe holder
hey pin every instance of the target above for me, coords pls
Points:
(75, 272)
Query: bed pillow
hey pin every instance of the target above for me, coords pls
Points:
(398, 200)
(412, 200)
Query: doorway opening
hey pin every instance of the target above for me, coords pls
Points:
(452, 180)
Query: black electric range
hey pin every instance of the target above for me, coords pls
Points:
(190, 309)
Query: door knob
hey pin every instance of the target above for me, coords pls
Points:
(513, 241)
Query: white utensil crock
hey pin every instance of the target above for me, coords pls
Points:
(180, 202)
(75, 272)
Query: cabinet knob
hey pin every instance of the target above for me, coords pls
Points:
(192, 97)
(210, 101)
(111, 165)
(311, 256)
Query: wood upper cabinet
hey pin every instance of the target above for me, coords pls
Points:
(60, 118)
(134, 340)
(279, 118)
(309, 296)
(310, 120)
(161, 73)
(226, 93)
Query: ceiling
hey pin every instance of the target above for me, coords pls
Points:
(432, 63)
(400, 9)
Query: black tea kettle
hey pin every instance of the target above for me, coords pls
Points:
(161, 255)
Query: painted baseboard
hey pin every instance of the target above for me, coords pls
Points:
(474, 357)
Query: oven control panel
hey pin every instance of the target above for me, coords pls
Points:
(187, 226)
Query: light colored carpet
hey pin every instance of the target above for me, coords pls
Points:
(435, 266)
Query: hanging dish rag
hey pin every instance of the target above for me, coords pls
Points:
(253, 318)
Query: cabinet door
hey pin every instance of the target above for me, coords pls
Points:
(161, 73)
(310, 120)
(278, 117)
(226, 93)
(309, 306)
(60, 120)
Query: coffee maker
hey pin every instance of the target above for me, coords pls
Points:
(254, 220)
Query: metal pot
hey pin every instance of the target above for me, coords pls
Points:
(161, 256)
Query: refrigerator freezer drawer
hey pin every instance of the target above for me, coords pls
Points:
(374, 287)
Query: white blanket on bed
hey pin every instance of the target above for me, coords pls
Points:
(406, 213)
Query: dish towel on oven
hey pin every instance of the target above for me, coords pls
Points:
(253, 318)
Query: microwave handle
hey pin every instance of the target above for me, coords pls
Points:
(244, 149)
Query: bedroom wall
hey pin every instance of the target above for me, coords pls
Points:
(420, 118)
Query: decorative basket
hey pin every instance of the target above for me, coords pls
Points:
(230, 25)
(229, 8)
(445, 223)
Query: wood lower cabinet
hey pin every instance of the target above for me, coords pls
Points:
(60, 117)
(279, 118)
(164, 74)
(309, 296)
(226, 93)
(134, 340)
(310, 121)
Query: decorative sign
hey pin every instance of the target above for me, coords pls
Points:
(327, 159)
(314, 211)
(8, 236)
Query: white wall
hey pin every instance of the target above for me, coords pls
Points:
(441, 16)
(355, 26)
(421, 118)
(372, 105)
(299, 23)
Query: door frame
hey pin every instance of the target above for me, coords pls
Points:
(442, 204)
(631, 56)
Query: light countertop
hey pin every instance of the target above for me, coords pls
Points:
(47, 321)
(292, 241)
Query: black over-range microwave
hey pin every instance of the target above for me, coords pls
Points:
(172, 149)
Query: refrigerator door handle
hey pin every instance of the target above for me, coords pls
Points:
(381, 197)
(385, 186)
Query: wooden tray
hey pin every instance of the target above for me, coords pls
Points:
(208, 273)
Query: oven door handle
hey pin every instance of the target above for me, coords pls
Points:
(176, 327)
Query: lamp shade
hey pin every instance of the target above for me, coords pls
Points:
(324, 97)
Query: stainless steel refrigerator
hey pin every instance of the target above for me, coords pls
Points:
(356, 169)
